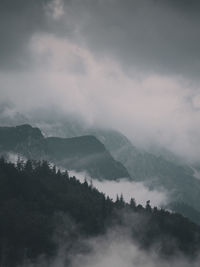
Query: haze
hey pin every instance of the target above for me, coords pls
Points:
(129, 65)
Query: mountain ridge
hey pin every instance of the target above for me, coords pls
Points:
(84, 153)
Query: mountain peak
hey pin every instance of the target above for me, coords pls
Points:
(84, 153)
(29, 130)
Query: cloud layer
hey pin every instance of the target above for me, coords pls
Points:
(128, 65)
(136, 190)
(155, 36)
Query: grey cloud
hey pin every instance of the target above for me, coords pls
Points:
(70, 54)
(155, 36)
(151, 36)
(19, 20)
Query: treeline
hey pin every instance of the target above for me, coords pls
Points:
(35, 197)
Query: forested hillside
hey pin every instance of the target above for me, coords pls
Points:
(36, 199)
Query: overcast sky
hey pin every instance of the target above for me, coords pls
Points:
(130, 64)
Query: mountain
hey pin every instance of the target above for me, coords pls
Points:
(158, 171)
(84, 153)
(42, 208)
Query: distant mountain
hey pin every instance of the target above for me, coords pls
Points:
(159, 169)
(23, 139)
(84, 153)
(156, 171)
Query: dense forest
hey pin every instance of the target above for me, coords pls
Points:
(36, 200)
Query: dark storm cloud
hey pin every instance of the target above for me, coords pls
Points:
(160, 36)
(154, 36)
(19, 20)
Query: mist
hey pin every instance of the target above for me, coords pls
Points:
(114, 248)
(136, 190)
(132, 67)
(152, 110)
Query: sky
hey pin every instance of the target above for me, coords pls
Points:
(131, 65)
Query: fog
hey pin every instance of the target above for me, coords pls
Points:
(153, 110)
(131, 66)
(115, 248)
(136, 190)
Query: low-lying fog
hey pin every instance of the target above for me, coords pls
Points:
(129, 189)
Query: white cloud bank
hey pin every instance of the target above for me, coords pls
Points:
(136, 190)
(148, 109)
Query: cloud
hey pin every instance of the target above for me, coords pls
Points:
(136, 190)
(125, 65)
(55, 9)
(114, 249)
(19, 20)
(147, 36)
(156, 109)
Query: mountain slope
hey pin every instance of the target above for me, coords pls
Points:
(40, 205)
(81, 153)
(84, 153)
(155, 171)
